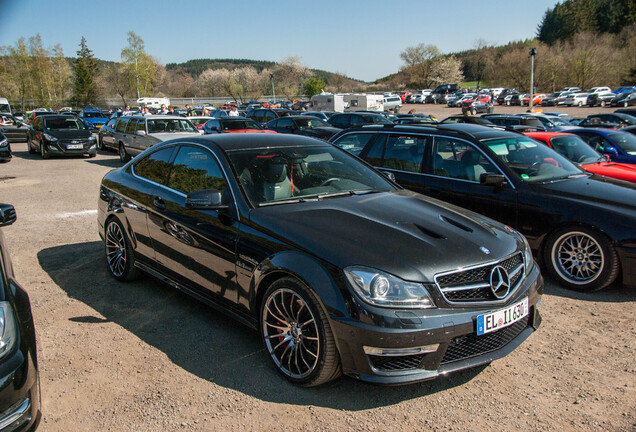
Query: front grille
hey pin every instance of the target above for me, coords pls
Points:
(396, 363)
(471, 345)
(473, 285)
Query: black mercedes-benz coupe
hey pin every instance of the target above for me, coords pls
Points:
(19, 376)
(338, 268)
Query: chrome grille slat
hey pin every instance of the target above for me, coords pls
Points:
(472, 286)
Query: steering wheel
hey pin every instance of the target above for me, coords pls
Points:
(533, 168)
(328, 181)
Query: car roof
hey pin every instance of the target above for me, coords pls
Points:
(478, 131)
(229, 142)
(475, 131)
(600, 131)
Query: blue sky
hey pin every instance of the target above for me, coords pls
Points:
(360, 38)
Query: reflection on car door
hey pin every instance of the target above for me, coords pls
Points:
(196, 246)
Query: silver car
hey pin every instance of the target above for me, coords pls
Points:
(134, 134)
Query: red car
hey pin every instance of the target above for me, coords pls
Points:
(233, 125)
(574, 148)
(536, 99)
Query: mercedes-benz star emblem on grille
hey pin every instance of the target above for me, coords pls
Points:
(499, 282)
(485, 250)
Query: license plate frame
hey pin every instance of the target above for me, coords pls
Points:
(502, 318)
(74, 147)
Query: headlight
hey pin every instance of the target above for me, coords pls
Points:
(8, 329)
(382, 289)
(527, 255)
(4, 143)
(91, 138)
(49, 137)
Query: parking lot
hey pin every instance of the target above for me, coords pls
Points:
(142, 356)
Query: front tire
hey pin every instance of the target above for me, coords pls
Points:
(43, 152)
(296, 334)
(603, 103)
(30, 146)
(120, 256)
(582, 259)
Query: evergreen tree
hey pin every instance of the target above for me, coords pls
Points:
(85, 71)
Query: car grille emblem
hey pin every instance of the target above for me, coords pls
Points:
(499, 282)
(485, 250)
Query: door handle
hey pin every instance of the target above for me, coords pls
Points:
(159, 203)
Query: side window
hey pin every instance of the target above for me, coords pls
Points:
(155, 166)
(285, 123)
(121, 125)
(458, 159)
(376, 151)
(141, 126)
(269, 116)
(354, 143)
(37, 123)
(340, 121)
(132, 126)
(195, 169)
(214, 124)
(404, 152)
(356, 121)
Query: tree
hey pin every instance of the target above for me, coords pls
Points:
(313, 86)
(418, 62)
(446, 70)
(85, 71)
(337, 82)
(289, 76)
(60, 74)
(138, 66)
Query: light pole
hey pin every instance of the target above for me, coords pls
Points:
(533, 52)
(273, 92)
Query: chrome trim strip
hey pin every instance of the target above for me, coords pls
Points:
(16, 413)
(515, 271)
(465, 287)
(397, 352)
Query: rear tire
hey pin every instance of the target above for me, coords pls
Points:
(123, 154)
(120, 255)
(296, 334)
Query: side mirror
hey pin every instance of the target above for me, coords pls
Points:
(205, 199)
(141, 132)
(611, 151)
(489, 179)
(389, 175)
(7, 214)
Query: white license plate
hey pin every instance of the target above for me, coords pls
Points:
(496, 320)
(74, 146)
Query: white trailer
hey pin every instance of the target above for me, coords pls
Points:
(153, 102)
(364, 102)
(328, 102)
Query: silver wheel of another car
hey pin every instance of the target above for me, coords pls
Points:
(119, 253)
(582, 259)
(296, 334)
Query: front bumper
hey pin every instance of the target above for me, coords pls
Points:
(422, 345)
(627, 256)
(60, 148)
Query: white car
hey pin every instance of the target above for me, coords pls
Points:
(599, 90)
(392, 103)
(577, 99)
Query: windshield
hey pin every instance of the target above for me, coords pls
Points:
(310, 123)
(269, 176)
(531, 161)
(170, 126)
(376, 119)
(575, 149)
(94, 115)
(199, 121)
(239, 124)
(57, 123)
(5, 108)
(625, 140)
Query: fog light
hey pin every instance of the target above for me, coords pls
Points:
(400, 351)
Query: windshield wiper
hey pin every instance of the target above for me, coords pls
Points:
(366, 191)
(335, 194)
(287, 201)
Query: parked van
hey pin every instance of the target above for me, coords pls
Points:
(364, 102)
(328, 102)
(4, 106)
(153, 102)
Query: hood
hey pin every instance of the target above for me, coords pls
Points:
(402, 233)
(65, 134)
(96, 120)
(621, 171)
(165, 136)
(605, 193)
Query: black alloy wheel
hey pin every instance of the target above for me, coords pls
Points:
(119, 253)
(296, 334)
(582, 259)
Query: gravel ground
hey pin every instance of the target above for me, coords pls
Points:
(143, 357)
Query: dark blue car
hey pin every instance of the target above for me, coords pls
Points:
(93, 117)
(619, 145)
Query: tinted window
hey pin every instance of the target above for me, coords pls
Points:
(625, 141)
(155, 166)
(55, 123)
(354, 143)
(355, 120)
(195, 169)
(285, 123)
(121, 125)
(458, 159)
(141, 126)
(132, 126)
(404, 152)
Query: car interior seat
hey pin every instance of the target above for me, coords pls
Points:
(470, 165)
(276, 182)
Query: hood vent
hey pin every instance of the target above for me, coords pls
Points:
(430, 233)
(455, 223)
